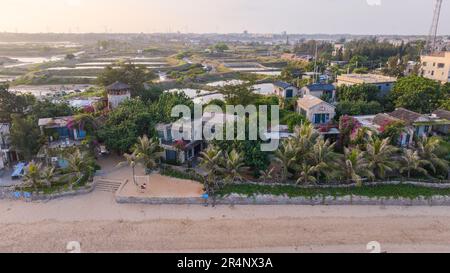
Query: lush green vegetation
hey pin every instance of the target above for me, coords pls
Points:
(133, 75)
(380, 191)
(418, 94)
(48, 179)
(188, 175)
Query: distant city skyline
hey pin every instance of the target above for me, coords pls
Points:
(383, 17)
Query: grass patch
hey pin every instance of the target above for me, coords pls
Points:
(188, 175)
(379, 191)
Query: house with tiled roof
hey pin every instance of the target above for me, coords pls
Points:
(61, 132)
(286, 90)
(445, 116)
(416, 125)
(118, 92)
(320, 90)
(316, 110)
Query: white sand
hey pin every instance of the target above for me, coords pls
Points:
(101, 225)
(163, 186)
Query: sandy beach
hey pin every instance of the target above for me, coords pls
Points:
(101, 225)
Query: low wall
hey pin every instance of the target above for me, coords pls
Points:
(159, 200)
(47, 197)
(9, 194)
(236, 199)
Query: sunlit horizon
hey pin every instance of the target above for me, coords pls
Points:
(233, 16)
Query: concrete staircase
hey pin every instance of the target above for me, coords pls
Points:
(108, 185)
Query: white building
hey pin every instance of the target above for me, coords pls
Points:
(384, 83)
(317, 111)
(319, 90)
(117, 93)
(286, 90)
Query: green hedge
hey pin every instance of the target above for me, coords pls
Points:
(386, 191)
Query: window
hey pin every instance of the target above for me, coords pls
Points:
(424, 63)
(432, 73)
(441, 65)
(321, 118)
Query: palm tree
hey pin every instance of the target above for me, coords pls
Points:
(130, 160)
(234, 166)
(355, 166)
(147, 151)
(306, 173)
(304, 138)
(379, 154)
(412, 162)
(80, 164)
(32, 175)
(323, 157)
(286, 156)
(211, 159)
(362, 137)
(426, 148)
(48, 175)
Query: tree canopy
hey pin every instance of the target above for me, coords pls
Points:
(133, 75)
(417, 94)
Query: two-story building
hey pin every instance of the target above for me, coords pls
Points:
(178, 150)
(117, 92)
(436, 66)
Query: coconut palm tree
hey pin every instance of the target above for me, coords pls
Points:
(234, 166)
(307, 174)
(323, 157)
(412, 162)
(355, 166)
(131, 160)
(80, 164)
(427, 148)
(211, 160)
(147, 151)
(286, 155)
(379, 154)
(48, 175)
(32, 176)
(362, 137)
(304, 138)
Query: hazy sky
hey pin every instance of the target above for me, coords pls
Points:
(261, 16)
